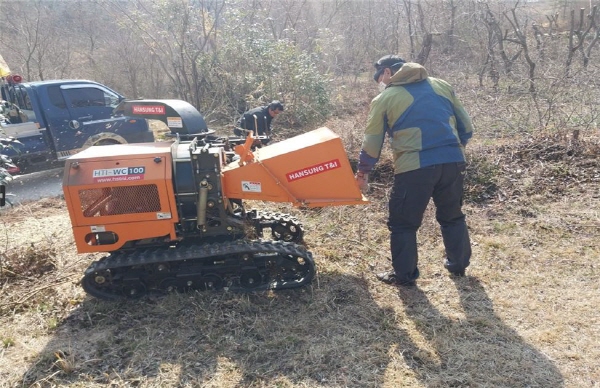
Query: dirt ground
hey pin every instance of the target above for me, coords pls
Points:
(525, 316)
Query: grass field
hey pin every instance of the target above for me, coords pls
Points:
(524, 316)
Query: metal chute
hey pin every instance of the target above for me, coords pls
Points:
(308, 170)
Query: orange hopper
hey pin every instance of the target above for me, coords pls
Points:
(309, 170)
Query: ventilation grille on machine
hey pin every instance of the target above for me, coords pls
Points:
(111, 201)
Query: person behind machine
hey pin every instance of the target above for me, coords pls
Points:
(11, 114)
(428, 129)
(258, 121)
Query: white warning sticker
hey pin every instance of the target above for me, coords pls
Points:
(174, 122)
(251, 187)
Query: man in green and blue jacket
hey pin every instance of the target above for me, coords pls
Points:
(428, 128)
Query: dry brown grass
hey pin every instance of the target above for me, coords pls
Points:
(525, 316)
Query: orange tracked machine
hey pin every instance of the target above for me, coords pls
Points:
(172, 217)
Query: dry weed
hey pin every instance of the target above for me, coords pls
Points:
(525, 316)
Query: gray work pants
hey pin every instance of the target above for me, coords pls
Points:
(409, 198)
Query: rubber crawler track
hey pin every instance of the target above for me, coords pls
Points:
(235, 265)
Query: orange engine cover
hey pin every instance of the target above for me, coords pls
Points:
(120, 193)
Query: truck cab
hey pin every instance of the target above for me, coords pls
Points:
(47, 121)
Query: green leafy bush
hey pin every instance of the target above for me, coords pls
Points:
(249, 69)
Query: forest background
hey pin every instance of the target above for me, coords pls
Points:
(526, 59)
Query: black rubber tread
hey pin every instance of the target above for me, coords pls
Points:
(281, 265)
(284, 227)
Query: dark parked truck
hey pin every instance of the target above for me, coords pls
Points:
(47, 121)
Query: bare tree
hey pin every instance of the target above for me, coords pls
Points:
(423, 54)
(176, 34)
(578, 36)
(496, 39)
(33, 38)
(450, 33)
(595, 23)
(519, 37)
(408, 10)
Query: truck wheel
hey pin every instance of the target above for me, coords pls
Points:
(103, 138)
(106, 142)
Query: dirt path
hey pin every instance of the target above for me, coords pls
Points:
(36, 185)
